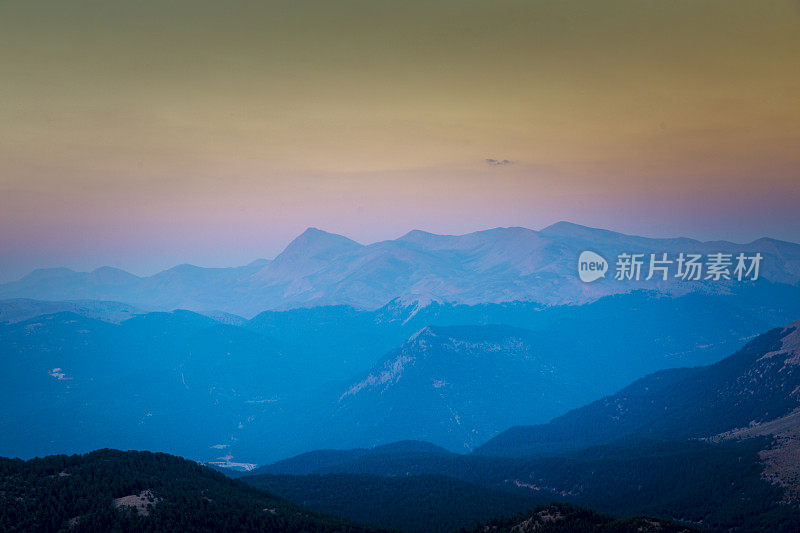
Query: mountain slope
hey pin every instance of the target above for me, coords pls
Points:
(177, 381)
(441, 385)
(759, 383)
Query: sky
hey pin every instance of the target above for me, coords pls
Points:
(151, 133)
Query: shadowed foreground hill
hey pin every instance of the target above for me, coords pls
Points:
(719, 485)
(563, 517)
(429, 503)
(440, 504)
(110, 490)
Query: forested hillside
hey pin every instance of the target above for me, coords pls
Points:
(110, 490)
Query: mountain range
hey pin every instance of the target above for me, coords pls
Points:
(712, 446)
(322, 269)
(478, 365)
(340, 377)
(283, 368)
(456, 385)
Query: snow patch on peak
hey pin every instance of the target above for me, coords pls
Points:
(391, 372)
(427, 330)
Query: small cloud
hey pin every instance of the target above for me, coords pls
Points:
(498, 162)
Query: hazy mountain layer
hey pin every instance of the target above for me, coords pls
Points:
(287, 382)
(319, 268)
(714, 446)
(456, 385)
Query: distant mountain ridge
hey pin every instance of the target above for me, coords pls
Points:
(320, 268)
(20, 309)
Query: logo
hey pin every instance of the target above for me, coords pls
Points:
(591, 266)
(665, 266)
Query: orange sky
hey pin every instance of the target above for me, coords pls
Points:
(143, 134)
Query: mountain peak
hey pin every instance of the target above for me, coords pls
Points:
(416, 235)
(108, 274)
(109, 270)
(313, 241)
(313, 231)
(309, 252)
(185, 268)
(49, 273)
(564, 228)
